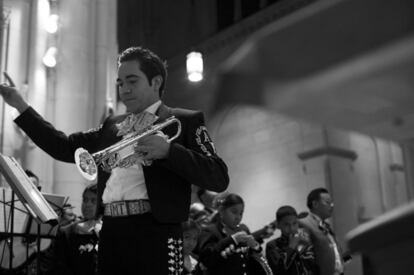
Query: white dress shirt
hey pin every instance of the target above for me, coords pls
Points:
(339, 266)
(128, 183)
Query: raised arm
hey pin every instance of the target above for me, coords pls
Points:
(12, 96)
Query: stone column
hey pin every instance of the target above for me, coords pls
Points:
(334, 160)
(83, 77)
(72, 96)
(408, 151)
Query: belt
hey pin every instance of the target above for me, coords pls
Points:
(126, 208)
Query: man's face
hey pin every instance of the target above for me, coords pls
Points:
(134, 89)
(89, 205)
(324, 206)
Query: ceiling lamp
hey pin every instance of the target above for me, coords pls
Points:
(52, 23)
(49, 59)
(194, 66)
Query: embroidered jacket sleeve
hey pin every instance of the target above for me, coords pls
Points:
(285, 260)
(197, 160)
(216, 248)
(307, 256)
(213, 248)
(54, 142)
(278, 259)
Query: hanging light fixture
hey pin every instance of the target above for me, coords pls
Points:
(49, 59)
(194, 66)
(51, 24)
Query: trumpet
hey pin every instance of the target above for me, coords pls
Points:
(110, 157)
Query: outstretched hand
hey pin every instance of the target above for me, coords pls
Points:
(9, 79)
(11, 95)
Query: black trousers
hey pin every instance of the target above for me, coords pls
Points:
(139, 245)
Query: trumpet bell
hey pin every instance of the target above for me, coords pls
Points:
(86, 164)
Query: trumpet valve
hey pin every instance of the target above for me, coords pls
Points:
(110, 162)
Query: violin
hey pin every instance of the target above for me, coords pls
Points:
(265, 232)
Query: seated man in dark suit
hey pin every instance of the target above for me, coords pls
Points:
(145, 198)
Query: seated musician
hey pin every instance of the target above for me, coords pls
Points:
(76, 246)
(291, 253)
(191, 233)
(226, 246)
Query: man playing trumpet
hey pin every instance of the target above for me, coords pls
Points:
(142, 205)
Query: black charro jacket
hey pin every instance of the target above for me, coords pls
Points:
(191, 159)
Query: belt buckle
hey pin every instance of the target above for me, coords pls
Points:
(135, 207)
(118, 209)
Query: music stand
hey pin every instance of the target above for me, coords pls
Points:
(57, 202)
(31, 198)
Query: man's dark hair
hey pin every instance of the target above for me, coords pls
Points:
(229, 200)
(315, 195)
(31, 174)
(93, 188)
(285, 211)
(150, 64)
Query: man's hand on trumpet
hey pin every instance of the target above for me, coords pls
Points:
(12, 96)
(153, 147)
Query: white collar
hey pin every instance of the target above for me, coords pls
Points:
(154, 107)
